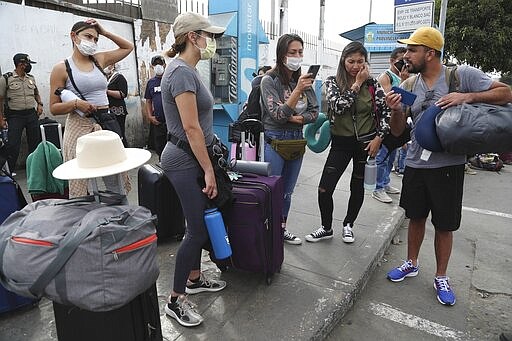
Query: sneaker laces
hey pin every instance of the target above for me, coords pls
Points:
(204, 280)
(319, 232)
(442, 283)
(185, 305)
(288, 235)
(406, 266)
(347, 231)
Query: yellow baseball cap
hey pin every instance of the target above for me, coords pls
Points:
(427, 36)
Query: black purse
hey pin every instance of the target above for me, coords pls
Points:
(219, 156)
(103, 117)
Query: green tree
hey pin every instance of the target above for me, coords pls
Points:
(479, 32)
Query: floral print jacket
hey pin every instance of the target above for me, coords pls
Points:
(340, 103)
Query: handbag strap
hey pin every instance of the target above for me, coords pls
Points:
(71, 79)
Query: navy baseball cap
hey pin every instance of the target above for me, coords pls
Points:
(22, 58)
(157, 60)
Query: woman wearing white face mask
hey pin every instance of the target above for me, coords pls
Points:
(188, 108)
(87, 69)
(289, 102)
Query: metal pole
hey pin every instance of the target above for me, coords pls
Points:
(283, 24)
(442, 16)
(370, 13)
(273, 12)
(442, 20)
(322, 20)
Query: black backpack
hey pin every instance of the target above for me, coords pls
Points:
(251, 111)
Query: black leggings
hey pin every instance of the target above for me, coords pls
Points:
(343, 149)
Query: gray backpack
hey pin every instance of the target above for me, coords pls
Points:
(79, 252)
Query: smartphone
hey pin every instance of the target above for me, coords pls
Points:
(408, 98)
(399, 64)
(313, 69)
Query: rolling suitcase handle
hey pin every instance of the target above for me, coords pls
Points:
(59, 130)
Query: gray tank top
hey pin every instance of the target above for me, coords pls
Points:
(92, 84)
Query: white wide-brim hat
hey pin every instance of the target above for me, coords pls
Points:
(100, 153)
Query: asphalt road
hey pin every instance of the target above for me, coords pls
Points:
(480, 270)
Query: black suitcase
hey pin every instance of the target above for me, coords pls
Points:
(51, 131)
(138, 320)
(157, 194)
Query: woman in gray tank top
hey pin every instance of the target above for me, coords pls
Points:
(87, 68)
(188, 109)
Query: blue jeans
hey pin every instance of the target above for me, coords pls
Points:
(401, 158)
(384, 167)
(289, 170)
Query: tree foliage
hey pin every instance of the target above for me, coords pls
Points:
(479, 33)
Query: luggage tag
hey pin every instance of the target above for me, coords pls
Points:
(425, 154)
(233, 176)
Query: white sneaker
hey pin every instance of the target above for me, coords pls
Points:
(391, 190)
(204, 284)
(348, 235)
(319, 234)
(382, 196)
(290, 238)
(184, 312)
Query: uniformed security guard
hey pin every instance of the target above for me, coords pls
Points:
(23, 106)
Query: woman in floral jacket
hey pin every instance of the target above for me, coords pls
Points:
(356, 133)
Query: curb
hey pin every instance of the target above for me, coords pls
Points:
(344, 305)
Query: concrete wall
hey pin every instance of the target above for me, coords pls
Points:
(44, 35)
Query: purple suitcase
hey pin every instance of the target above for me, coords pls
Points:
(254, 225)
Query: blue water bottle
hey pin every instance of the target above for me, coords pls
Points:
(217, 231)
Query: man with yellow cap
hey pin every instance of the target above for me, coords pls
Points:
(433, 181)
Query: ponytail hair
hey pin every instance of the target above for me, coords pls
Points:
(179, 46)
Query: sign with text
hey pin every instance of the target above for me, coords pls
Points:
(407, 2)
(381, 38)
(411, 16)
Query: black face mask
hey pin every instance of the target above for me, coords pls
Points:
(28, 67)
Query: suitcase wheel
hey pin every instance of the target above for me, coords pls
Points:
(269, 279)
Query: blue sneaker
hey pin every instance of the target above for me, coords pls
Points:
(445, 294)
(405, 270)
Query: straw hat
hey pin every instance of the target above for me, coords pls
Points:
(98, 154)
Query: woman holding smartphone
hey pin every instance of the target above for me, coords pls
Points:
(289, 102)
(355, 135)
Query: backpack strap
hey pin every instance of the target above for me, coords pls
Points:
(71, 79)
(452, 79)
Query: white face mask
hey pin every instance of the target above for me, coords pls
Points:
(293, 63)
(87, 48)
(210, 49)
(159, 69)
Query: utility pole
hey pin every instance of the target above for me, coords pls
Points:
(370, 13)
(442, 16)
(322, 20)
(320, 47)
(442, 20)
(283, 17)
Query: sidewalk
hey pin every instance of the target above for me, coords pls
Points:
(318, 283)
